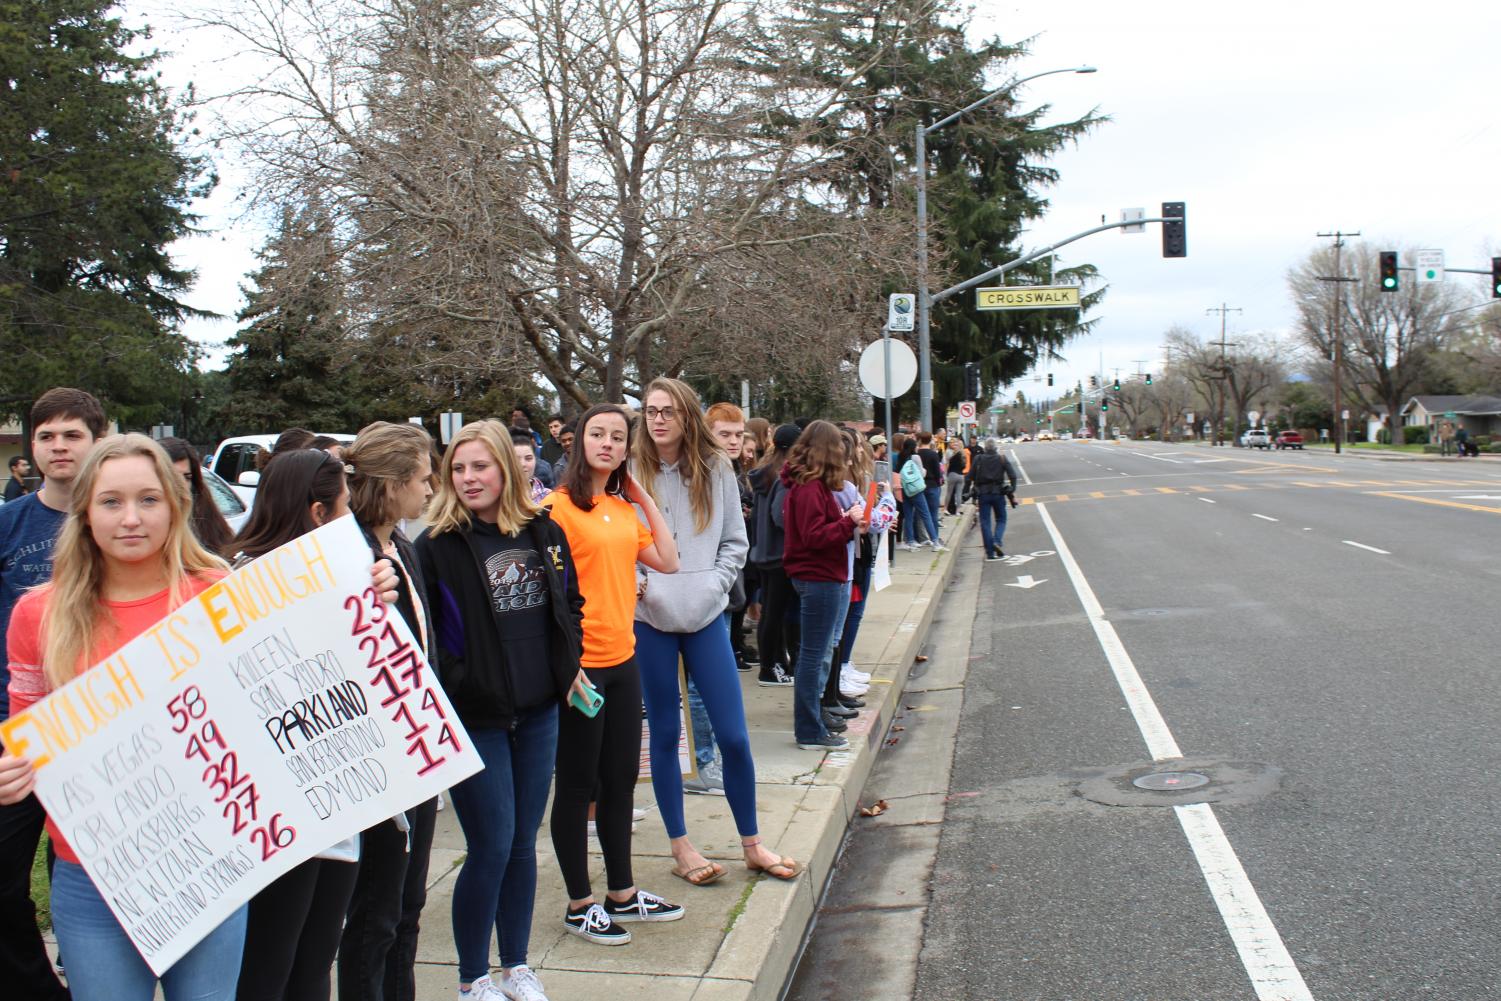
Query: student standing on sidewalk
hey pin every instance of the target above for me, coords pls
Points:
(819, 558)
(125, 558)
(954, 470)
(599, 757)
(776, 637)
(508, 616)
(993, 480)
(65, 423)
(913, 480)
(682, 616)
(295, 922)
(391, 482)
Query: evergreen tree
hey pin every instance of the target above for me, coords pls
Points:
(93, 188)
(292, 361)
(986, 172)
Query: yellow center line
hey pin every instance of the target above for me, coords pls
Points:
(1132, 493)
(1167, 490)
(1436, 501)
(1097, 494)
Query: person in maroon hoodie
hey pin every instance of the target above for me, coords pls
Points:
(821, 528)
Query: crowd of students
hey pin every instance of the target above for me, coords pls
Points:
(557, 600)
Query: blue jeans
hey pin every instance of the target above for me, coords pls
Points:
(500, 810)
(825, 605)
(856, 613)
(992, 512)
(709, 661)
(915, 506)
(703, 731)
(934, 497)
(103, 965)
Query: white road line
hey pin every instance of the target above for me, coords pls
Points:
(1362, 545)
(1026, 480)
(1273, 974)
(1264, 517)
(1206, 500)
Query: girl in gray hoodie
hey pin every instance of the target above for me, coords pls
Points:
(682, 615)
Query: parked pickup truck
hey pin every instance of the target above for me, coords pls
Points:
(1289, 439)
(1258, 438)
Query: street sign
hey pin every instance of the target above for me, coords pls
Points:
(1127, 215)
(1255, 416)
(449, 424)
(1429, 265)
(1028, 297)
(1190, 416)
(1450, 414)
(873, 368)
(901, 309)
(1344, 415)
(966, 410)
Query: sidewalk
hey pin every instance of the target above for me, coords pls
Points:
(741, 936)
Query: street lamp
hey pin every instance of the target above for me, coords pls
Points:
(924, 359)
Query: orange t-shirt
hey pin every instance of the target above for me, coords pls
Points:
(604, 543)
(24, 645)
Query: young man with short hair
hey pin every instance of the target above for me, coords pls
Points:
(15, 487)
(65, 423)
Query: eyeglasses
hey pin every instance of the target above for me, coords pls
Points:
(660, 413)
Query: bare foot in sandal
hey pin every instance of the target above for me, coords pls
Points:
(759, 858)
(691, 865)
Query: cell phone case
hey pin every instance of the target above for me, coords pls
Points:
(588, 706)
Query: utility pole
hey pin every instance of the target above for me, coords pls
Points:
(1219, 416)
(1339, 361)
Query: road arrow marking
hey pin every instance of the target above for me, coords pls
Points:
(1026, 582)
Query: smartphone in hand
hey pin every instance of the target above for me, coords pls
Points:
(588, 705)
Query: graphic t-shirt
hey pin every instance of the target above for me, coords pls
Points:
(28, 531)
(604, 542)
(517, 580)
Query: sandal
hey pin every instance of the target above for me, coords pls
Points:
(700, 875)
(783, 868)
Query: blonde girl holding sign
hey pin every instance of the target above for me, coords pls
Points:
(126, 557)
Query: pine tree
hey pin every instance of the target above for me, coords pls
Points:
(292, 363)
(94, 186)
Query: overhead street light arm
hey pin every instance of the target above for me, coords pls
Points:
(1034, 255)
(929, 130)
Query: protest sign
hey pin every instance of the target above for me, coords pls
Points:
(278, 712)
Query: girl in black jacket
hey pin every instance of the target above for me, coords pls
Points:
(508, 619)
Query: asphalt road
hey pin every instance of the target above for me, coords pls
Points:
(1320, 637)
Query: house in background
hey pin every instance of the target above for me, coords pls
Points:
(1479, 414)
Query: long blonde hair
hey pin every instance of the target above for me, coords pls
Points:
(862, 458)
(698, 455)
(75, 619)
(516, 506)
(384, 457)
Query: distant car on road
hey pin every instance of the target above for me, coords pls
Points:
(1045, 436)
(1065, 436)
(1256, 438)
(1289, 439)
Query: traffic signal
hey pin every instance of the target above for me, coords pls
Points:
(1094, 382)
(1149, 378)
(1104, 404)
(1050, 378)
(971, 381)
(1117, 384)
(1174, 230)
(1388, 266)
(1496, 277)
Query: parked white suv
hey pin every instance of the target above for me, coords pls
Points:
(1258, 438)
(234, 460)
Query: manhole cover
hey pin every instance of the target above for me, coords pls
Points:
(1171, 781)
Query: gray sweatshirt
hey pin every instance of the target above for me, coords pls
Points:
(708, 562)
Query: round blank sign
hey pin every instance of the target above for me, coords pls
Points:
(873, 368)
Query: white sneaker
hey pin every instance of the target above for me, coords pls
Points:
(852, 672)
(483, 989)
(905, 547)
(637, 816)
(940, 548)
(852, 690)
(519, 983)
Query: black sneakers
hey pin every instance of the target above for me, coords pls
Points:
(828, 742)
(594, 924)
(777, 677)
(643, 907)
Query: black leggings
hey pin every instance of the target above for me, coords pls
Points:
(598, 759)
(777, 639)
(293, 932)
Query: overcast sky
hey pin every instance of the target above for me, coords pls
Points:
(1273, 122)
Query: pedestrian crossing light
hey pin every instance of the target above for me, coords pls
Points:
(1496, 277)
(1388, 266)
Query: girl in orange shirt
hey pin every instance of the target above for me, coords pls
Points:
(598, 757)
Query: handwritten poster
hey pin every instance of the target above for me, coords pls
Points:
(280, 711)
